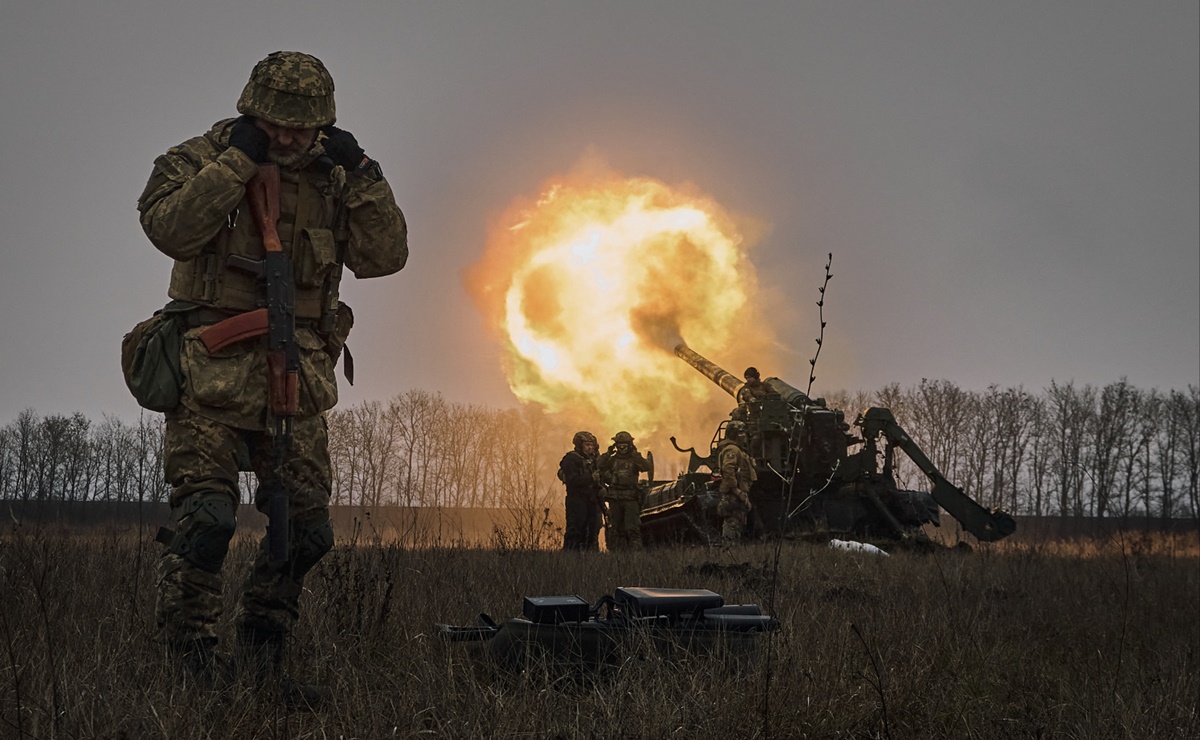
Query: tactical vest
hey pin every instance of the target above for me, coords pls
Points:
(623, 474)
(223, 275)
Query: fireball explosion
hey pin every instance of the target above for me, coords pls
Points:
(591, 286)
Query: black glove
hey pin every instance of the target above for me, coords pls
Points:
(343, 149)
(250, 139)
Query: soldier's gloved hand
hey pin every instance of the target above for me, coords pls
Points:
(250, 139)
(343, 149)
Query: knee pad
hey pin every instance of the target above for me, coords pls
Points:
(310, 541)
(206, 525)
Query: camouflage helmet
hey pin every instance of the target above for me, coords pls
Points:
(623, 438)
(751, 372)
(735, 431)
(291, 89)
(582, 438)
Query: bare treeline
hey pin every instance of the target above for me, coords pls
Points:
(415, 450)
(70, 458)
(1115, 451)
(420, 450)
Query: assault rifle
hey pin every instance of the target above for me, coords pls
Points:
(283, 356)
(278, 322)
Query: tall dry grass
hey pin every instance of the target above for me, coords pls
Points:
(1089, 639)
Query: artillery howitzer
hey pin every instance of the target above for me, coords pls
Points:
(808, 476)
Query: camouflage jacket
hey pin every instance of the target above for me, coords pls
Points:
(752, 393)
(194, 210)
(736, 468)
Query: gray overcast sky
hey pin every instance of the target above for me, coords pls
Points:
(1010, 189)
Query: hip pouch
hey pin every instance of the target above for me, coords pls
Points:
(150, 360)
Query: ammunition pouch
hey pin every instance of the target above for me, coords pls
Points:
(315, 255)
(150, 358)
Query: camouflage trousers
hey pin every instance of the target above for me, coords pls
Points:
(733, 513)
(623, 531)
(202, 458)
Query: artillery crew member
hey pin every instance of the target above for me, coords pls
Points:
(334, 209)
(750, 397)
(619, 469)
(753, 391)
(737, 476)
(578, 471)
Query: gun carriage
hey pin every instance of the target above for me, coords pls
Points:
(815, 473)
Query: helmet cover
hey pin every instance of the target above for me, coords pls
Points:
(291, 89)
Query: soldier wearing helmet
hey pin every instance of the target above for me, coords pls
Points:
(737, 476)
(577, 471)
(750, 397)
(336, 212)
(623, 492)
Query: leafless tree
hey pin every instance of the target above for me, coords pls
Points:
(1136, 467)
(938, 415)
(1041, 457)
(1110, 429)
(1071, 409)
(1189, 411)
(1168, 454)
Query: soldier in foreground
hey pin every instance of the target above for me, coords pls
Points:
(619, 469)
(334, 209)
(577, 470)
(737, 475)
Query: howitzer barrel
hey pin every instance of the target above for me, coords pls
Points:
(794, 396)
(726, 380)
(730, 383)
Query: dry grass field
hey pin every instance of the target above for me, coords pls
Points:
(1088, 639)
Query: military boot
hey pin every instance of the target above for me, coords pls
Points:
(260, 655)
(197, 660)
